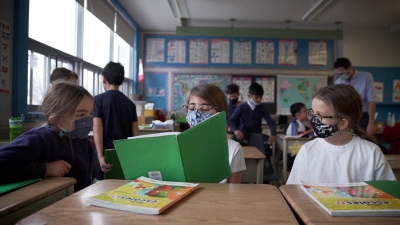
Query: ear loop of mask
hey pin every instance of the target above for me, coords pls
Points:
(350, 133)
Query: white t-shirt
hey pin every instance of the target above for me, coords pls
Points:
(236, 157)
(321, 162)
(301, 129)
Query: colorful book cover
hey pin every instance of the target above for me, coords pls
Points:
(353, 199)
(143, 195)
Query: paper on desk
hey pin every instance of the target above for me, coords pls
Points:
(168, 124)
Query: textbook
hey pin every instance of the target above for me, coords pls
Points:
(143, 195)
(353, 199)
(8, 187)
(116, 172)
(199, 154)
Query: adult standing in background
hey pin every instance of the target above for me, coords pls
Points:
(363, 82)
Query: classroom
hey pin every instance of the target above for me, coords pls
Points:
(170, 46)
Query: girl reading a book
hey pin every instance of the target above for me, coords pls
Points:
(342, 151)
(60, 147)
(203, 101)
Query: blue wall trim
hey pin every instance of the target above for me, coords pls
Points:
(20, 57)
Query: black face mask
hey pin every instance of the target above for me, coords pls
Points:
(322, 130)
(233, 101)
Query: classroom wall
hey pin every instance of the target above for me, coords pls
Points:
(371, 47)
(6, 14)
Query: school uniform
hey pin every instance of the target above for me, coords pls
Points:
(25, 157)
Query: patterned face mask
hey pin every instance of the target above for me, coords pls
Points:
(196, 116)
(322, 130)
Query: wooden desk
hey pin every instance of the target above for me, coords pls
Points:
(311, 213)
(209, 204)
(254, 160)
(24, 201)
(285, 144)
(394, 162)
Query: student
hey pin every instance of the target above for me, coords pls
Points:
(250, 114)
(59, 148)
(363, 82)
(232, 93)
(63, 74)
(203, 101)
(114, 115)
(342, 151)
(298, 111)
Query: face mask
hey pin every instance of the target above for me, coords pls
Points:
(344, 77)
(82, 128)
(195, 117)
(233, 101)
(253, 103)
(322, 130)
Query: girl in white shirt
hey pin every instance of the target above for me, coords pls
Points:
(342, 151)
(203, 101)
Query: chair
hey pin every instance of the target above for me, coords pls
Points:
(259, 141)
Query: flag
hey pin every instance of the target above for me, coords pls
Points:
(141, 74)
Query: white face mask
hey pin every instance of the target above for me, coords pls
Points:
(344, 77)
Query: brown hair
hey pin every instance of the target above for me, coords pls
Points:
(61, 100)
(347, 104)
(212, 94)
(62, 74)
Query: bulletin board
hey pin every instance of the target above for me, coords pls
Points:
(155, 90)
(183, 51)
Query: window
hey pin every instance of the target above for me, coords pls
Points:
(57, 47)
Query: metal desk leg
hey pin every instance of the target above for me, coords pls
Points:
(260, 171)
(284, 155)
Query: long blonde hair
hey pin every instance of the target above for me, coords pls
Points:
(61, 100)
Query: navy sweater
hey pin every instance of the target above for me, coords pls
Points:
(250, 120)
(25, 157)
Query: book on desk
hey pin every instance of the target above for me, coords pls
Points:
(143, 195)
(370, 198)
(199, 154)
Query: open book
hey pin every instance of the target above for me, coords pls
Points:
(143, 195)
(199, 154)
(355, 199)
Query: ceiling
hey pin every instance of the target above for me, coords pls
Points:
(156, 15)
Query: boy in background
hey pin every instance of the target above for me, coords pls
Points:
(249, 115)
(114, 115)
(63, 74)
(299, 111)
(232, 94)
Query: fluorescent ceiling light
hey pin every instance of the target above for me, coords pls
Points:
(319, 8)
(179, 8)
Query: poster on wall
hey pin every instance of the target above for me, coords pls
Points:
(244, 84)
(184, 83)
(268, 84)
(287, 54)
(296, 88)
(378, 86)
(241, 51)
(396, 91)
(198, 51)
(265, 51)
(5, 53)
(317, 53)
(176, 52)
(155, 48)
(220, 50)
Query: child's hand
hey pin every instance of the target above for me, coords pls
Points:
(271, 139)
(57, 168)
(239, 134)
(105, 167)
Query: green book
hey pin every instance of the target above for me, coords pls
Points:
(116, 170)
(199, 154)
(8, 187)
(388, 186)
